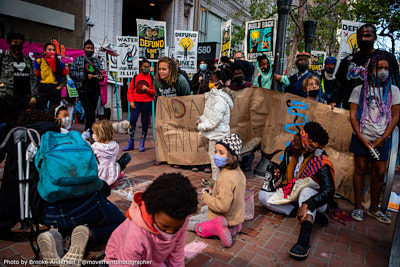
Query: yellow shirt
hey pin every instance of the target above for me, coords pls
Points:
(46, 74)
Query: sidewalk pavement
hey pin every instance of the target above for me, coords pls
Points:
(270, 235)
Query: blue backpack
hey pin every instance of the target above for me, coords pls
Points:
(67, 167)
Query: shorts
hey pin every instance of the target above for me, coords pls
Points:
(357, 148)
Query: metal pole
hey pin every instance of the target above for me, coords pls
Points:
(309, 33)
(283, 11)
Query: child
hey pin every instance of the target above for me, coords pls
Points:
(66, 99)
(266, 76)
(374, 112)
(62, 118)
(225, 203)
(156, 226)
(106, 151)
(311, 87)
(214, 123)
(140, 94)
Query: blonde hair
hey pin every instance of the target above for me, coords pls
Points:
(173, 72)
(306, 80)
(104, 131)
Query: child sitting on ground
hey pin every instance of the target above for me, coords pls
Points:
(311, 86)
(62, 118)
(225, 203)
(106, 151)
(156, 226)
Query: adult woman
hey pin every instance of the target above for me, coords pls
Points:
(51, 74)
(168, 82)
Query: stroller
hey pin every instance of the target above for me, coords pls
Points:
(27, 142)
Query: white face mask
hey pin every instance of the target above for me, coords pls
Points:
(95, 138)
(66, 121)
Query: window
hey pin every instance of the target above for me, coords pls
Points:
(210, 26)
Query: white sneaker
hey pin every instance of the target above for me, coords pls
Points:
(357, 215)
(79, 239)
(51, 246)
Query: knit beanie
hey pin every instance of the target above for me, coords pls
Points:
(233, 143)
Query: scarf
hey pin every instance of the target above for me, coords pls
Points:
(51, 60)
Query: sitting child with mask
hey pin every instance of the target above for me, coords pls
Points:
(62, 118)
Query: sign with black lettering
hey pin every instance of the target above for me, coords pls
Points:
(226, 37)
(186, 50)
(152, 41)
(348, 38)
(317, 62)
(128, 59)
(260, 38)
(207, 51)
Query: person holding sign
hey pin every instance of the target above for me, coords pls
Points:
(168, 82)
(86, 72)
(140, 94)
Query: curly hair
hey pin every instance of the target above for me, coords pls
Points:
(316, 133)
(173, 194)
(173, 72)
(14, 36)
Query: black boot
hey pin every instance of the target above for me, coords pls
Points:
(302, 248)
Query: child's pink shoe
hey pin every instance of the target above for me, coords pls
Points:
(216, 227)
(121, 175)
(235, 229)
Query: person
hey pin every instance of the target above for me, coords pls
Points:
(106, 151)
(307, 160)
(17, 75)
(351, 71)
(296, 80)
(156, 224)
(66, 100)
(238, 81)
(311, 87)
(224, 214)
(199, 84)
(86, 72)
(62, 118)
(168, 82)
(328, 81)
(374, 112)
(140, 94)
(51, 74)
(100, 109)
(181, 71)
(264, 67)
(248, 67)
(214, 123)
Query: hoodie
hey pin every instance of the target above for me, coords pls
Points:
(136, 239)
(214, 123)
(266, 78)
(107, 154)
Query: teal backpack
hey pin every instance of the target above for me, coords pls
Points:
(67, 167)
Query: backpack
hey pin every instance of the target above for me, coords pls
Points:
(67, 167)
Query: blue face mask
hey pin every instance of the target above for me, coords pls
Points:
(219, 161)
(203, 67)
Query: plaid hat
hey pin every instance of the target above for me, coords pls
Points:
(233, 143)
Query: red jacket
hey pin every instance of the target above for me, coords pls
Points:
(135, 93)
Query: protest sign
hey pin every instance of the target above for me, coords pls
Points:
(186, 50)
(226, 30)
(348, 38)
(317, 61)
(100, 55)
(128, 56)
(260, 38)
(152, 39)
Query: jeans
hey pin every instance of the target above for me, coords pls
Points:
(48, 92)
(198, 218)
(95, 211)
(144, 109)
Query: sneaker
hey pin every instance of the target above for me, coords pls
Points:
(207, 170)
(299, 252)
(51, 245)
(195, 169)
(357, 215)
(379, 216)
(79, 239)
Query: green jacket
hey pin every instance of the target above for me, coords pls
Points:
(7, 74)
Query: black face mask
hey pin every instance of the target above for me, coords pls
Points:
(238, 79)
(294, 150)
(89, 53)
(365, 45)
(330, 70)
(313, 93)
(266, 69)
(16, 49)
(302, 67)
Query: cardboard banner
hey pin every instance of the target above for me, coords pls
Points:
(226, 31)
(260, 38)
(152, 39)
(348, 38)
(186, 50)
(317, 62)
(128, 59)
(177, 139)
(262, 118)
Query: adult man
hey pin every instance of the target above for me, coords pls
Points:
(328, 81)
(307, 159)
(199, 84)
(86, 72)
(296, 80)
(17, 74)
(352, 68)
(249, 68)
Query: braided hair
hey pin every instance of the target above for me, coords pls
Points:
(370, 88)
